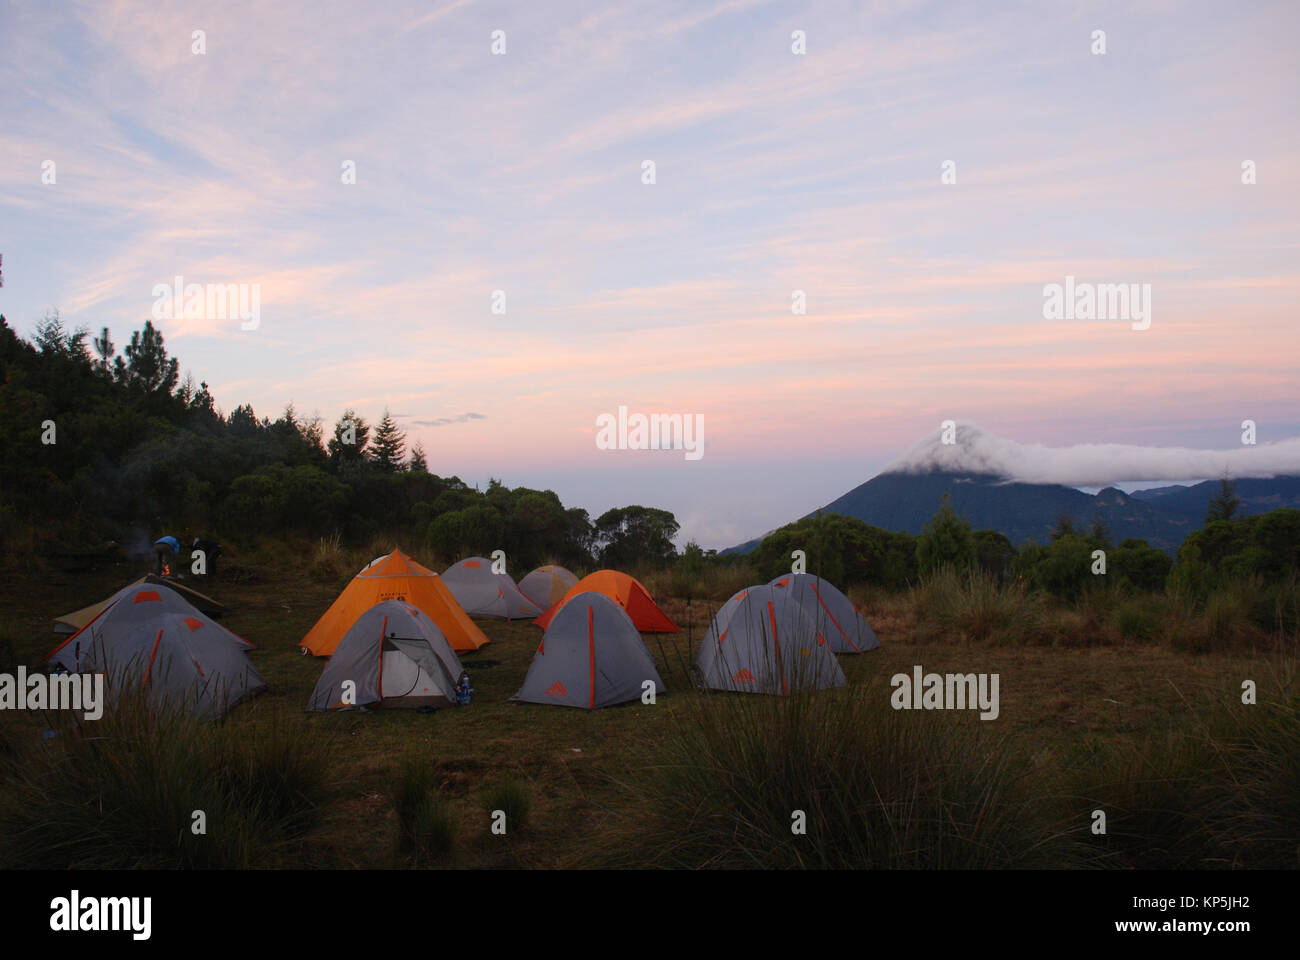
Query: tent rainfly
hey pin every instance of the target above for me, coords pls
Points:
(148, 635)
(483, 593)
(393, 656)
(395, 577)
(546, 586)
(836, 617)
(74, 621)
(591, 656)
(761, 641)
(627, 592)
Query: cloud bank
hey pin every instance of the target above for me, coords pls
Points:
(443, 421)
(1093, 464)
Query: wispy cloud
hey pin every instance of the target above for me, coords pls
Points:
(443, 421)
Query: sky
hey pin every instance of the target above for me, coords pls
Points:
(524, 171)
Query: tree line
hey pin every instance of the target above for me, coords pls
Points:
(101, 447)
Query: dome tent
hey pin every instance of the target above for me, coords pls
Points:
(147, 634)
(761, 641)
(624, 590)
(483, 593)
(395, 656)
(591, 656)
(547, 585)
(394, 577)
(836, 617)
(74, 621)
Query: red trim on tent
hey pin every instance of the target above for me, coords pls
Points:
(591, 656)
(833, 620)
(147, 596)
(472, 563)
(152, 654)
(771, 616)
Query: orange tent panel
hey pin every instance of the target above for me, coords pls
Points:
(628, 593)
(395, 577)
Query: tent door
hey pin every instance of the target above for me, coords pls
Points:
(405, 681)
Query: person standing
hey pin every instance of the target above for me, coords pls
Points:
(165, 551)
(211, 550)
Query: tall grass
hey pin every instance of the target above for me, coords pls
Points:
(712, 581)
(426, 826)
(879, 788)
(510, 797)
(328, 562)
(899, 789)
(1221, 788)
(973, 606)
(123, 792)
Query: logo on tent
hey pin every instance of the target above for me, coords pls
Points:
(744, 677)
(556, 690)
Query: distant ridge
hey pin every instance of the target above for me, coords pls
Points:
(905, 496)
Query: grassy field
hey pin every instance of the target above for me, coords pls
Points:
(594, 782)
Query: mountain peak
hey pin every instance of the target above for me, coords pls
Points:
(960, 448)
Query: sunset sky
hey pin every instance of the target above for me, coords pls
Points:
(775, 172)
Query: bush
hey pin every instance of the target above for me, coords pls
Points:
(1141, 567)
(1063, 569)
(1138, 619)
(946, 541)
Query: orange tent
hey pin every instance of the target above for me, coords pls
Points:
(629, 594)
(394, 577)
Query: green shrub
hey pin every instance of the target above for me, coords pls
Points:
(1138, 619)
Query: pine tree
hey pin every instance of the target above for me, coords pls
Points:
(104, 349)
(350, 427)
(419, 463)
(147, 365)
(314, 433)
(1224, 504)
(389, 448)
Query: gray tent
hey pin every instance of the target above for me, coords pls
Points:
(591, 656)
(483, 593)
(836, 617)
(761, 641)
(546, 586)
(74, 621)
(394, 656)
(147, 634)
